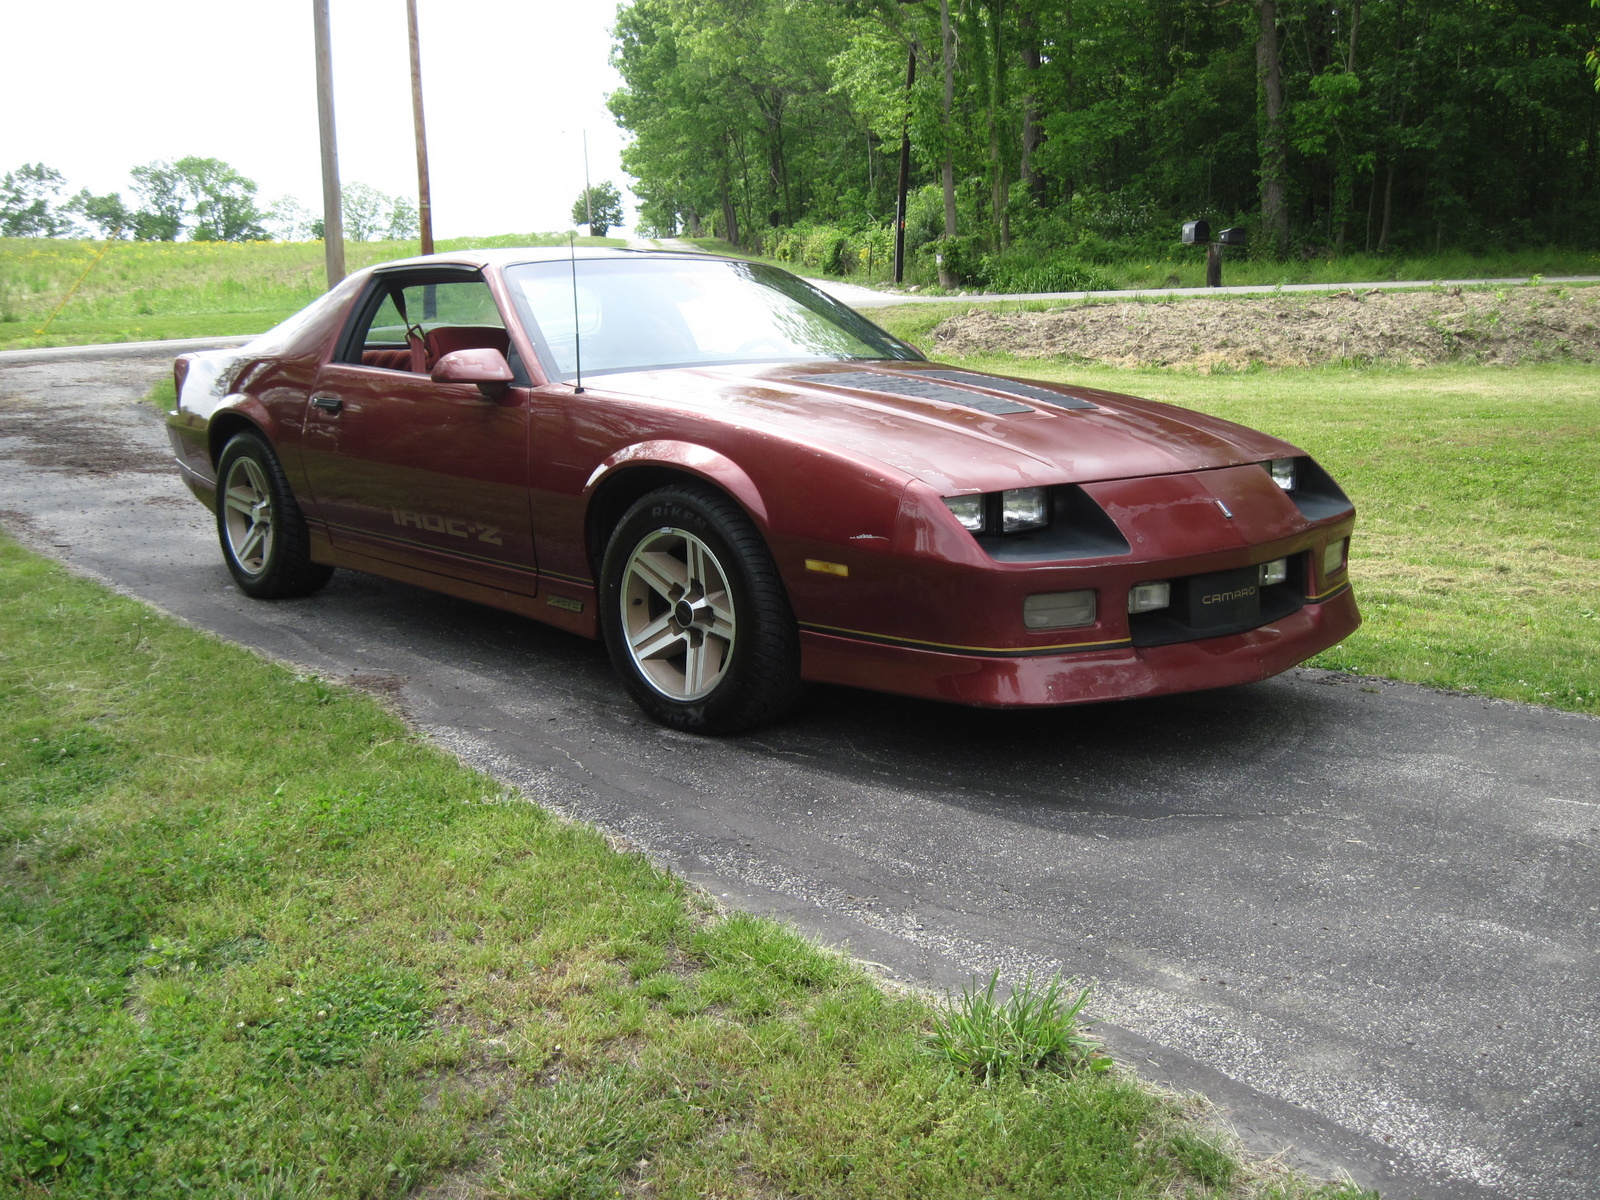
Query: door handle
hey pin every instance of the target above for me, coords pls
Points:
(328, 404)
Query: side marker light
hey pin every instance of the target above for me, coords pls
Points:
(827, 568)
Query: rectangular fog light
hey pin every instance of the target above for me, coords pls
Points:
(1147, 597)
(1275, 571)
(1333, 557)
(1058, 610)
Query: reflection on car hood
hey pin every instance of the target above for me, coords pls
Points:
(938, 424)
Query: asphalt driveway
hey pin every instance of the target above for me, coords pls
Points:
(1361, 916)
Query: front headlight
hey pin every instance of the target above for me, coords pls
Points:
(1282, 472)
(1014, 511)
(968, 510)
(1024, 508)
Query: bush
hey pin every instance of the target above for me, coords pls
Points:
(830, 249)
(1021, 271)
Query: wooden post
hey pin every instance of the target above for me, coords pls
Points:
(1214, 264)
(332, 210)
(424, 200)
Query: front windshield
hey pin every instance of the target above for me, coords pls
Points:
(636, 314)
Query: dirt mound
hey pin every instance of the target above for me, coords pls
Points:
(1413, 328)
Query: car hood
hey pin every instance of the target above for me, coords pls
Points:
(956, 430)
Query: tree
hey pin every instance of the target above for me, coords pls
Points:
(403, 220)
(366, 212)
(371, 215)
(600, 207)
(26, 202)
(222, 201)
(161, 217)
(109, 213)
(291, 221)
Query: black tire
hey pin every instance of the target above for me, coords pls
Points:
(695, 615)
(263, 534)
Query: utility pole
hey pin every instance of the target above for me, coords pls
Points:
(424, 201)
(332, 210)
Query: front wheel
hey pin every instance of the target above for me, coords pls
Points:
(695, 616)
(264, 538)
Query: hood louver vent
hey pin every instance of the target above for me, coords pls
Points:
(899, 385)
(1010, 387)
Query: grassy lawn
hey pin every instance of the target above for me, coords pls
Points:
(1185, 266)
(1476, 559)
(262, 941)
(145, 291)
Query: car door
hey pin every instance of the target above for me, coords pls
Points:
(429, 475)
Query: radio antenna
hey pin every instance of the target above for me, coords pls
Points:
(577, 335)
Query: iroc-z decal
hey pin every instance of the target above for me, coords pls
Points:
(454, 526)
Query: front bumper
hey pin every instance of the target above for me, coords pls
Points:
(1085, 676)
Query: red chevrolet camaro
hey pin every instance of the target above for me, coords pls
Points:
(739, 484)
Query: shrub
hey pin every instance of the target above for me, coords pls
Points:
(1020, 271)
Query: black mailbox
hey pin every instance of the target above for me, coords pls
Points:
(1232, 237)
(1197, 233)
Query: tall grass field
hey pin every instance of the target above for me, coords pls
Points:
(147, 291)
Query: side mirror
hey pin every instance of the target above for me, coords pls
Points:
(487, 368)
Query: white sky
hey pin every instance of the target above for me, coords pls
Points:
(94, 87)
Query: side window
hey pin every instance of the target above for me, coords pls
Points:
(414, 323)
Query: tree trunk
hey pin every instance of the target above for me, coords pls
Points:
(999, 181)
(1032, 128)
(730, 220)
(1388, 208)
(1269, 75)
(947, 168)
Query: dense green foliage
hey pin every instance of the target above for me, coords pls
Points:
(1082, 131)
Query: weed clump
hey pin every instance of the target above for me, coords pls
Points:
(1034, 1029)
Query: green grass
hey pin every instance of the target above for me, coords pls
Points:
(1185, 266)
(262, 941)
(1188, 263)
(1475, 559)
(143, 291)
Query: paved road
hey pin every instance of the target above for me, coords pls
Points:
(1361, 916)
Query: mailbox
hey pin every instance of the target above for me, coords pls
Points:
(1232, 237)
(1197, 233)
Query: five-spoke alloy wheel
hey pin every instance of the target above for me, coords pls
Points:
(695, 615)
(264, 538)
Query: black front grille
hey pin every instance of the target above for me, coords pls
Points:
(1220, 603)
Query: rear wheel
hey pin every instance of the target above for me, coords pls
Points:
(695, 615)
(264, 537)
